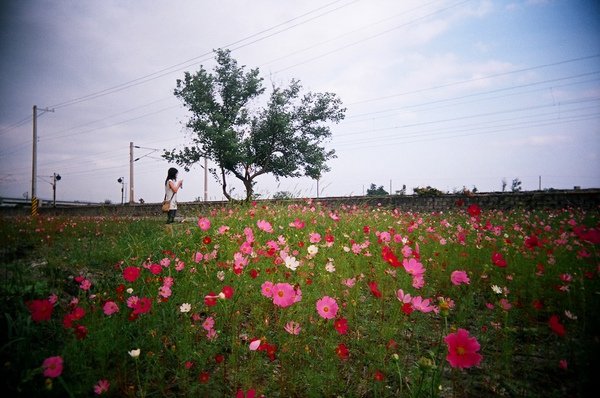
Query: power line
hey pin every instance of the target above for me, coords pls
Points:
(185, 64)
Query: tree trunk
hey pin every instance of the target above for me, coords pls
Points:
(249, 189)
(224, 185)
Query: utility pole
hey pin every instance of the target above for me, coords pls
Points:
(55, 178)
(34, 199)
(131, 200)
(540, 183)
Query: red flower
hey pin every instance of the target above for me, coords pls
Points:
(374, 289)
(462, 349)
(206, 240)
(210, 299)
(341, 325)
(366, 229)
(342, 351)
(556, 326)
(532, 242)
(253, 273)
(474, 210)
(41, 310)
(142, 306)
(378, 376)
(498, 260)
(204, 377)
(130, 274)
(407, 308)
(80, 332)
(392, 345)
(227, 291)
(219, 358)
(389, 256)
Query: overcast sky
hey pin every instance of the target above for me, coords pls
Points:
(446, 93)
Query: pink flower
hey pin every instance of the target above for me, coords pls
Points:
(53, 366)
(462, 350)
(267, 289)
(297, 223)
(283, 295)
(264, 226)
(204, 223)
(404, 298)
(327, 307)
(198, 257)
(422, 305)
(254, 344)
(209, 323)
(459, 278)
(110, 307)
(413, 267)
(314, 237)
(292, 327)
(101, 387)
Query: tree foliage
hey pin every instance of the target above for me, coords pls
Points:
(284, 138)
(376, 191)
(427, 191)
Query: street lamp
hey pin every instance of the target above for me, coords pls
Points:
(55, 178)
(122, 181)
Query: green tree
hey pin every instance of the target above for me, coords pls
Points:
(516, 185)
(283, 195)
(284, 138)
(375, 191)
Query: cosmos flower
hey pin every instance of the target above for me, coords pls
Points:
(462, 350)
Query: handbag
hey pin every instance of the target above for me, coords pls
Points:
(166, 204)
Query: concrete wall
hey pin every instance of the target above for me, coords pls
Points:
(586, 199)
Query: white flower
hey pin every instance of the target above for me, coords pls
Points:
(135, 353)
(221, 275)
(330, 267)
(570, 315)
(129, 290)
(291, 263)
(312, 250)
(185, 307)
(497, 289)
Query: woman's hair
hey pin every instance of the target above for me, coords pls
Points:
(171, 174)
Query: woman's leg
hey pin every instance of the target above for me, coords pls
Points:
(171, 216)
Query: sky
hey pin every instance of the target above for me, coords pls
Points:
(450, 94)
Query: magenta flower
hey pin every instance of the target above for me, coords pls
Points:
(130, 274)
(53, 366)
(327, 307)
(101, 387)
(283, 295)
(110, 307)
(459, 278)
(462, 349)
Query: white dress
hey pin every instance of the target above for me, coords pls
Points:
(170, 195)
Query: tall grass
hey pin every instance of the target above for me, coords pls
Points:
(534, 318)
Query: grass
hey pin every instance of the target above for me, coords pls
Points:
(551, 272)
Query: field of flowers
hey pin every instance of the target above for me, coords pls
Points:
(302, 301)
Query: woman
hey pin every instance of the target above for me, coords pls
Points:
(171, 188)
